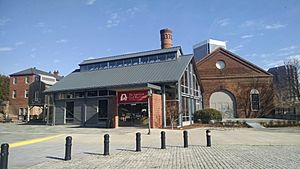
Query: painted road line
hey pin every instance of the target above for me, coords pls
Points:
(27, 142)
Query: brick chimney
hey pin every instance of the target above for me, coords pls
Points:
(56, 73)
(166, 38)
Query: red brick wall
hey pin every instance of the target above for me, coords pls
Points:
(20, 101)
(114, 107)
(156, 111)
(238, 77)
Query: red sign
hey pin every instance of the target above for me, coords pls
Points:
(130, 97)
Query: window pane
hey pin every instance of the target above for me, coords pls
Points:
(152, 59)
(144, 60)
(127, 62)
(119, 63)
(255, 101)
(162, 57)
(112, 93)
(135, 61)
(171, 57)
(92, 93)
(112, 64)
(79, 94)
(103, 93)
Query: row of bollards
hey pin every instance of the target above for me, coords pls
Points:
(5, 147)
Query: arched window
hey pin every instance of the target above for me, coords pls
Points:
(254, 96)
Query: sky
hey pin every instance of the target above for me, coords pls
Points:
(59, 34)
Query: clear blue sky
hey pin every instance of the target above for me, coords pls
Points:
(59, 34)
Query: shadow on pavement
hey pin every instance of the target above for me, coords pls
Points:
(151, 147)
(122, 149)
(92, 153)
(55, 158)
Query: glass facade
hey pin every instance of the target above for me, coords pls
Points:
(191, 99)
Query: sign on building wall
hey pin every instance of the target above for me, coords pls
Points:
(130, 97)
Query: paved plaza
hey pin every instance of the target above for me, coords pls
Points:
(238, 156)
(231, 148)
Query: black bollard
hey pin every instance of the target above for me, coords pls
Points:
(4, 156)
(106, 144)
(208, 139)
(68, 148)
(138, 141)
(185, 139)
(163, 139)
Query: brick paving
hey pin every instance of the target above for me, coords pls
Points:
(219, 156)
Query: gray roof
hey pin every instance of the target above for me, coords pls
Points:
(31, 71)
(168, 71)
(132, 55)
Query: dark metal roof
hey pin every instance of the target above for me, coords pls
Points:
(132, 55)
(31, 71)
(168, 71)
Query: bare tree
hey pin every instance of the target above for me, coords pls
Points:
(266, 95)
(292, 67)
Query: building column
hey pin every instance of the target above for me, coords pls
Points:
(179, 103)
(54, 111)
(149, 109)
(48, 107)
(28, 114)
(164, 122)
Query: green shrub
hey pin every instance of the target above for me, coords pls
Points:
(206, 115)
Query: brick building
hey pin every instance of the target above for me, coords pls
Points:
(19, 92)
(156, 88)
(235, 86)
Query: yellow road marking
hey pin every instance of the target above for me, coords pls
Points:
(26, 142)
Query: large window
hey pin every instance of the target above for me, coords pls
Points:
(184, 82)
(185, 108)
(254, 95)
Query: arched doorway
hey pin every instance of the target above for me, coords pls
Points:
(224, 102)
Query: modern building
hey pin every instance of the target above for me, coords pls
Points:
(19, 92)
(235, 86)
(206, 47)
(286, 85)
(158, 88)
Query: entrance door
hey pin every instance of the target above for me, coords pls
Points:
(69, 112)
(135, 114)
(102, 110)
(224, 102)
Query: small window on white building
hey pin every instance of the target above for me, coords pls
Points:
(254, 96)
